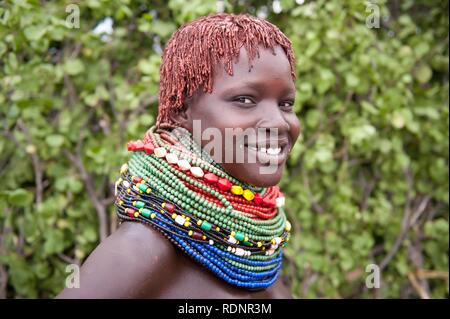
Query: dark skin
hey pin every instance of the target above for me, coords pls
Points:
(137, 261)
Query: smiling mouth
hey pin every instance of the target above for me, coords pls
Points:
(266, 153)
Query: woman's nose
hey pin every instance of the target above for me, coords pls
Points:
(272, 117)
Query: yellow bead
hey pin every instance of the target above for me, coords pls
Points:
(233, 233)
(248, 195)
(237, 190)
(163, 205)
(274, 242)
(153, 215)
(186, 224)
(288, 226)
(259, 244)
(136, 214)
(246, 238)
(217, 228)
(204, 237)
(199, 222)
(190, 233)
(124, 168)
(174, 215)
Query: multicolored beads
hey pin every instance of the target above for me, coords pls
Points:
(234, 229)
(210, 178)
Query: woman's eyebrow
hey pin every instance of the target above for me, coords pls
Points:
(244, 85)
(256, 85)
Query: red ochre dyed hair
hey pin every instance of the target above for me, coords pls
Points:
(195, 48)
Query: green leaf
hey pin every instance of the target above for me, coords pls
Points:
(162, 28)
(352, 80)
(20, 197)
(54, 242)
(423, 73)
(74, 66)
(54, 140)
(145, 67)
(2, 48)
(35, 32)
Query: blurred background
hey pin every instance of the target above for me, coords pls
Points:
(366, 184)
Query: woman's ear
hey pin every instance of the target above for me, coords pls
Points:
(182, 117)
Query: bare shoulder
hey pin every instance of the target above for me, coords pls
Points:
(128, 264)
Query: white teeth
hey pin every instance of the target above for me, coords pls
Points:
(274, 151)
(270, 150)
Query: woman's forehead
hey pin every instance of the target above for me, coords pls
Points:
(265, 66)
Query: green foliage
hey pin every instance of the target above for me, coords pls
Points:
(366, 183)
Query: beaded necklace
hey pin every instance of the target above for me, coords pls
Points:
(234, 229)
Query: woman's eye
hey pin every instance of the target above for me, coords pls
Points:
(244, 100)
(287, 104)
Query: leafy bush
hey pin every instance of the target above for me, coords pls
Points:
(367, 182)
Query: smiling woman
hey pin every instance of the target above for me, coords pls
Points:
(229, 72)
(256, 101)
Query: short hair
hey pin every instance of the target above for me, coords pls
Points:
(195, 48)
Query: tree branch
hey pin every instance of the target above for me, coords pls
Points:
(37, 165)
(404, 226)
(100, 208)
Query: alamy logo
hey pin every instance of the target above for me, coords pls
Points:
(373, 19)
(373, 278)
(73, 279)
(73, 19)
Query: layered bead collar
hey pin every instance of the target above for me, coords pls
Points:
(234, 229)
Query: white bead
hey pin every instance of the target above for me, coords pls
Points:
(270, 252)
(126, 184)
(273, 247)
(183, 164)
(211, 242)
(280, 201)
(160, 152)
(180, 220)
(232, 240)
(229, 248)
(115, 188)
(171, 158)
(240, 252)
(197, 171)
(278, 240)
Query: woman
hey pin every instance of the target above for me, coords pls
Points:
(197, 224)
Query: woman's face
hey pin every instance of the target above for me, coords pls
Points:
(256, 106)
